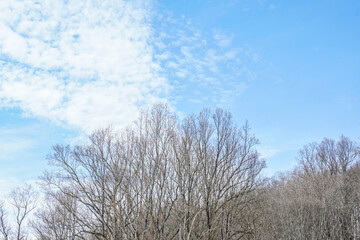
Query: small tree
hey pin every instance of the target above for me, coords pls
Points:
(4, 226)
(24, 202)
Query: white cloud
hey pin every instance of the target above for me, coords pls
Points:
(203, 67)
(93, 63)
(268, 151)
(81, 63)
(223, 39)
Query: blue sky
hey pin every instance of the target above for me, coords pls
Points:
(291, 68)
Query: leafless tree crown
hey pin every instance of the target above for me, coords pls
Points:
(159, 179)
(198, 178)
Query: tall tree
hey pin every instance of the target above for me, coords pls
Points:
(159, 179)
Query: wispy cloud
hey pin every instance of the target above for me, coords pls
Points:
(203, 67)
(88, 64)
(81, 63)
(14, 142)
(268, 151)
(23, 148)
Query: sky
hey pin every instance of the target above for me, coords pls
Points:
(291, 68)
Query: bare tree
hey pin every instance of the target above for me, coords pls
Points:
(187, 170)
(230, 169)
(24, 202)
(158, 180)
(197, 179)
(56, 219)
(4, 226)
(347, 153)
(92, 176)
(320, 198)
(329, 156)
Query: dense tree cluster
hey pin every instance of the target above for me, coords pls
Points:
(197, 179)
(320, 199)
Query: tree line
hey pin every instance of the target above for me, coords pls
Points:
(199, 178)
